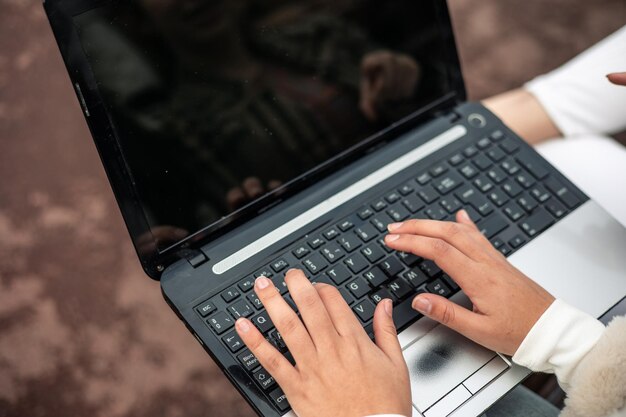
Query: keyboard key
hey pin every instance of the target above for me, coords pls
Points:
(205, 308)
(264, 379)
(539, 221)
(448, 183)
(230, 294)
(279, 264)
(483, 143)
(246, 285)
(533, 165)
(496, 154)
(430, 268)
(470, 196)
(511, 188)
(364, 310)
(525, 179)
(436, 213)
(322, 279)
(404, 313)
(400, 288)
(220, 322)
(379, 205)
(375, 276)
(332, 252)
(438, 170)
(380, 295)
(509, 145)
(510, 167)
(412, 203)
(316, 242)
(438, 287)
(358, 287)
(366, 232)
(470, 151)
(450, 282)
(451, 204)
(349, 242)
(391, 266)
(365, 213)
(428, 194)
(415, 277)
(517, 241)
(233, 341)
(380, 222)
(468, 171)
(280, 399)
(497, 136)
(345, 225)
(338, 274)
(346, 295)
(248, 360)
(255, 301)
(505, 250)
(513, 211)
(423, 179)
(556, 208)
(262, 322)
(240, 309)
(392, 197)
(279, 283)
(301, 251)
(527, 202)
(482, 162)
(265, 272)
(483, 183)
(492, 225)
(373, 253)
(315, 263)
(406, 189)
(498, 197)
(408, 259)
(496, 175)
(540, 193)
(386, 248)
(456, 159)
(562, 192)
(356, 262)
(331, 233)
(398, 213)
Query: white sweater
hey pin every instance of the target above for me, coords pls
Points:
(588, 359)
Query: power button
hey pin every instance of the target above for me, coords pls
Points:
(477, 120)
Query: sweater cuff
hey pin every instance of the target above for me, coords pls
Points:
(558, 341)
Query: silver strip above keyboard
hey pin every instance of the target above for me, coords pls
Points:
(345, 195)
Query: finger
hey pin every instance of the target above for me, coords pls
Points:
(463, 217)
(463, 237)
(458, 265)
(312, 309)
(271, 359)
(385, 332)
(458, 318)
(365, 103)
(285, 319)
(253, 187)
(618, 78)
(343, 318)
(235, 198)
(274, 184)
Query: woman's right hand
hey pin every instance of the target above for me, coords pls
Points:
(506, 302)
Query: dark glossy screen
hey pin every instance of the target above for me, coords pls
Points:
(217, 103)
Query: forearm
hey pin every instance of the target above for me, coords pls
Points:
(523, 113)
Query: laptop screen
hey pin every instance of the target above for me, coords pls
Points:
(219, 105)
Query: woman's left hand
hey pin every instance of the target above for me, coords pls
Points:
(339, 371)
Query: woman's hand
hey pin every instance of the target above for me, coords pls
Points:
(339, 371)
(506, 302)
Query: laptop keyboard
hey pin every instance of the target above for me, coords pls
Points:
(507, 190)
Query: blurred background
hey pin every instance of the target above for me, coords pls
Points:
(82, 330)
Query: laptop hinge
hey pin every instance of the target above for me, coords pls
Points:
(195, 257)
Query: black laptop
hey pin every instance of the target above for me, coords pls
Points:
(245, 138)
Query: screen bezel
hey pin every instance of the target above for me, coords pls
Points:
(154, 260)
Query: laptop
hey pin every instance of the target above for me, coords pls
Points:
(244, 138)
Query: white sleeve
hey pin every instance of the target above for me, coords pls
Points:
(559, 341)
(579, 98)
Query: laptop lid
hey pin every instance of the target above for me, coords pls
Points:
(206, 113)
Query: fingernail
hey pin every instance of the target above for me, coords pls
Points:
(422, 305)
(388, 307)
(262, 283)
(243, 325)
(393, 226)
(391, 238)
(463, 215)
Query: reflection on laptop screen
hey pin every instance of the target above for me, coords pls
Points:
(218, 102)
